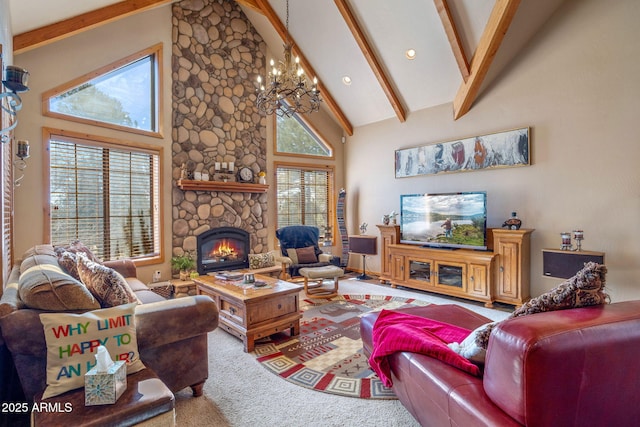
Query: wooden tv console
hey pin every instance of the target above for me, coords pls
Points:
(500, 274)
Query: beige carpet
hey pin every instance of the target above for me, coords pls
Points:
(241, 393)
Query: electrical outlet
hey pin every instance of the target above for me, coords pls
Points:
(156, 276)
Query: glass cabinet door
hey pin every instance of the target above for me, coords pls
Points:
(451, 274)
(420, 271)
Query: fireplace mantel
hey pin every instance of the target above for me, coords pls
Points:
(231, 187)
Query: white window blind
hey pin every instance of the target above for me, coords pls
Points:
(303, 196)
(106, 196)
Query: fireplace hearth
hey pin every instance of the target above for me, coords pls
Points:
(223, 248)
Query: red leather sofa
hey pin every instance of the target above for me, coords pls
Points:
(574, 367)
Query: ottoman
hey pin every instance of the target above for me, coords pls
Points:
(319, 275)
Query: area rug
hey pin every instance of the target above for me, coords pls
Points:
(327, 355)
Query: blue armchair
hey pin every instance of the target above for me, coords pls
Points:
(299, 247)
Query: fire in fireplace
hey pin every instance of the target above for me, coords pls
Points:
(223, 248)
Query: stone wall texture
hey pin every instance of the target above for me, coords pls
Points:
(217, 55)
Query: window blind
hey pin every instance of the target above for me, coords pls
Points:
(6, 181)
(107, 197)
(303, 196)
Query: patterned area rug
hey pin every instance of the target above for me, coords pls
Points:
(327, 355)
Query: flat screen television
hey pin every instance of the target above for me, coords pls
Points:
(446, 220)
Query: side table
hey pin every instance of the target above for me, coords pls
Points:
(183, 288)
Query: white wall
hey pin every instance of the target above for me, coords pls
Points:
(576, 86)
(6, 35)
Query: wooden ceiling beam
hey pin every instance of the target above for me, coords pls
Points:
(370, 56)
(273, 18)
(77, 24)
(494, 32)
(454, 39)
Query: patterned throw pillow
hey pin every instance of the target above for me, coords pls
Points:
(78, 247)
(584, 289)
(69, 262)
(261, 260)
(73, 339)
(106, 284)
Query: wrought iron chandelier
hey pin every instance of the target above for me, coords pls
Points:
(286, 90)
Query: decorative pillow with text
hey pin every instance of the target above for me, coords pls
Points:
(73, 340)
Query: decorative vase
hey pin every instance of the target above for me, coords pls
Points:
(262, 180)
(513, 223)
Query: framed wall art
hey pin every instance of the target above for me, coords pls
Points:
(498, 150)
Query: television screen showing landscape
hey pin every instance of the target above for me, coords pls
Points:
(455, 220)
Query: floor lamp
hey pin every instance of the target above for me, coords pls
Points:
(364, 245)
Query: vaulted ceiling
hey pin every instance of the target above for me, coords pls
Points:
(461, 45)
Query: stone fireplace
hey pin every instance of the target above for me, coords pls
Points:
(217, 55)
(223, 248)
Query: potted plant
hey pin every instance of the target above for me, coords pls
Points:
(183, 264)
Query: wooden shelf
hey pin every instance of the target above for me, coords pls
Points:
(231, 187)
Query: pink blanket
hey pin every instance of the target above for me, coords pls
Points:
(395, 331)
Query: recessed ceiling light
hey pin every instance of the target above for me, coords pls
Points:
(410, 54)
(346, 80)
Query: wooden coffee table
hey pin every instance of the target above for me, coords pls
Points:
(251, 313)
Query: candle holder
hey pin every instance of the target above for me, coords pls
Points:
(224, 177)
(579, 236)
(566, 241)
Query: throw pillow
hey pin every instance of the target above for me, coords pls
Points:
(261, 260)
(69, 262)
(291, 253)
(307, 255)
(468, 347)
(73, 339)
(39, 250)
(106, 284)
(76, 247)
(45, 286)
(584, 289)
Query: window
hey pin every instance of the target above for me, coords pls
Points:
(304, 196)
(6, 197)
(106, 194)
(295, 136)
(303, 191)
(123, 95)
